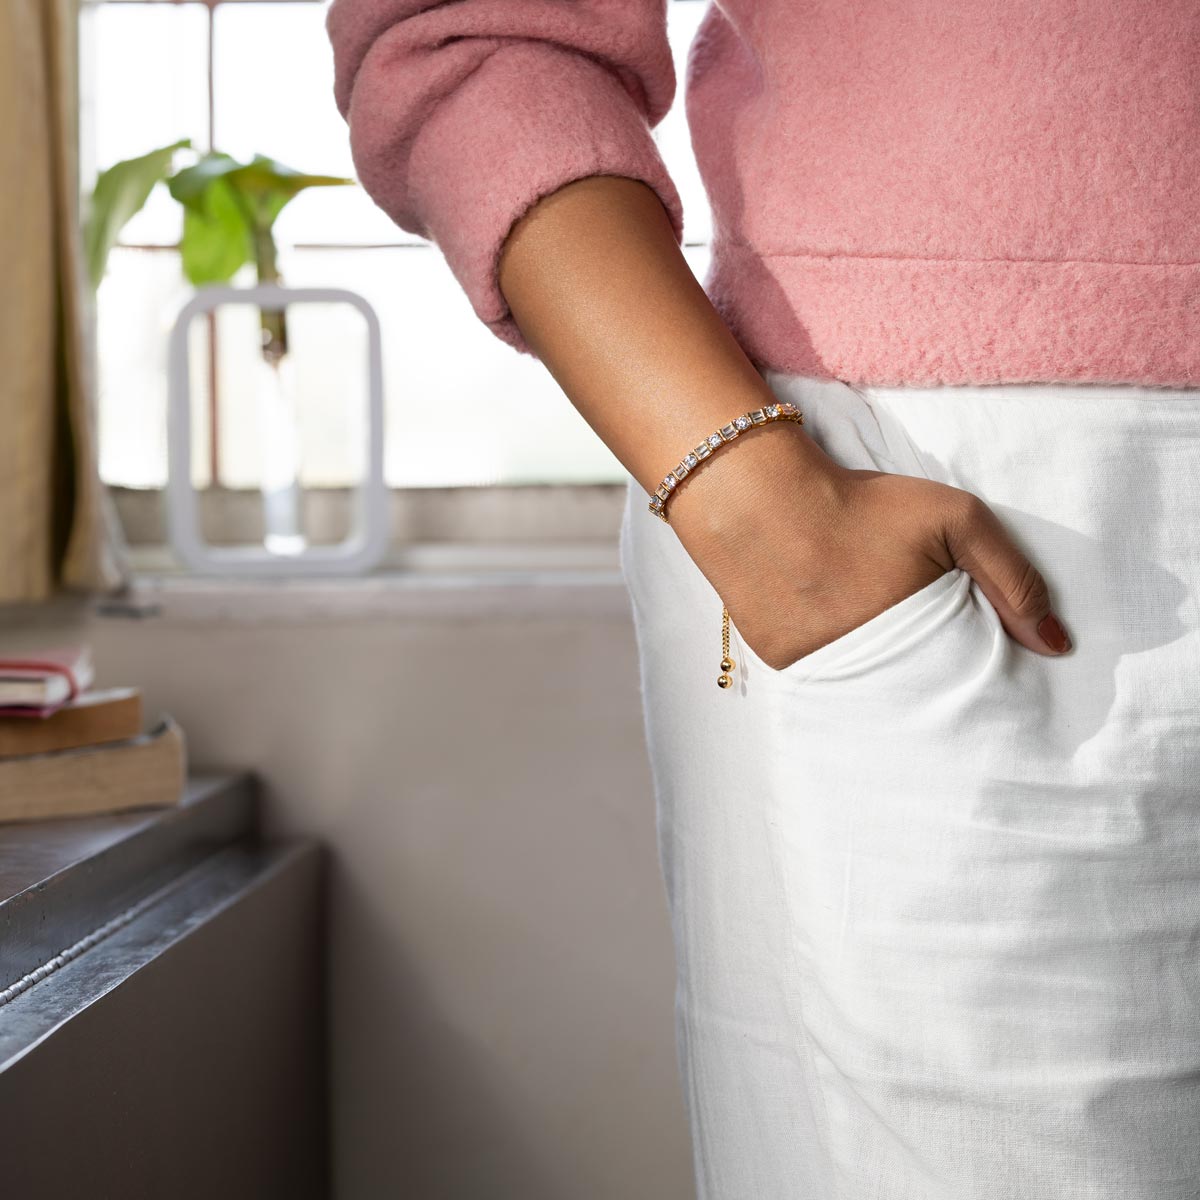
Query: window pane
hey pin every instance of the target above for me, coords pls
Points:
(273, 84)
(463, 408)
(137, 304)
(324, 374)
(145, 87)
(273, 95)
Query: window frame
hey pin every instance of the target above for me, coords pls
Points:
(488, 517)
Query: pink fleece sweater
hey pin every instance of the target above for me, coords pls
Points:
(904, 192)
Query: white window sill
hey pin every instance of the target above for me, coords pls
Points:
(449, 582)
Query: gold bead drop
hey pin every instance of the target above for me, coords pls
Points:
(723, 680)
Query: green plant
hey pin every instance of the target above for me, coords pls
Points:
(119, 194)
(229, 213)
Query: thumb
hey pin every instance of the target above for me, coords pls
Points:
(980, 544)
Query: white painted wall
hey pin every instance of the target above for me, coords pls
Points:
(473, 757)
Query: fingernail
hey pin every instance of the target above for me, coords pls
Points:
(1053, 634)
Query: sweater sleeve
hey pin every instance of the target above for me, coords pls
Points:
(464, 113)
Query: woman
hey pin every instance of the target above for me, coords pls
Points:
(933, 873)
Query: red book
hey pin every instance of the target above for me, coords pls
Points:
(39, 682)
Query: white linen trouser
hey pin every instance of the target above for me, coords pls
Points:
(935, 897)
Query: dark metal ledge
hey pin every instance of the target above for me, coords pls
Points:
(62, 879)
(163, 1013)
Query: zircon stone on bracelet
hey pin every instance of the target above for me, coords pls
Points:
(713, 443)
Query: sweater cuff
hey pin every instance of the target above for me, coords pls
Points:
(530, 119)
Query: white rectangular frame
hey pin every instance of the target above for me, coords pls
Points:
(367, 543)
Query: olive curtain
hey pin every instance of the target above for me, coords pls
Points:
(58, 528)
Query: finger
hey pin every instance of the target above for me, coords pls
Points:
(981, 545)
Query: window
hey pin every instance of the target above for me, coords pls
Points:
(255, 76)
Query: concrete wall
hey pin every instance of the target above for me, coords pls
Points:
(473, 757)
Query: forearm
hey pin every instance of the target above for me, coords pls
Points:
(603, 294)
(800, 548)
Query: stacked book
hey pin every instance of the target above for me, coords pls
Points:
(68, 748)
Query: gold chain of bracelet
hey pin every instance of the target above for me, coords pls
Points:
(727, 663)
(693, 459)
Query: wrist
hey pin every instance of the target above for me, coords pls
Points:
(771, 473)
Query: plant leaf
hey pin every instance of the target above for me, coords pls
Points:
(213, 188)
(269, 185)
(189, 185)
(119, 194)
(216, 234)
(268, 174)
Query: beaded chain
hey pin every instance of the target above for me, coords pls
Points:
(727, 664)
(713, 443)
(693, 459)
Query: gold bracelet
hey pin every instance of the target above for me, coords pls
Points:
(690, 461)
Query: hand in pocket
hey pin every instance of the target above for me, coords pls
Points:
(824, 548)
